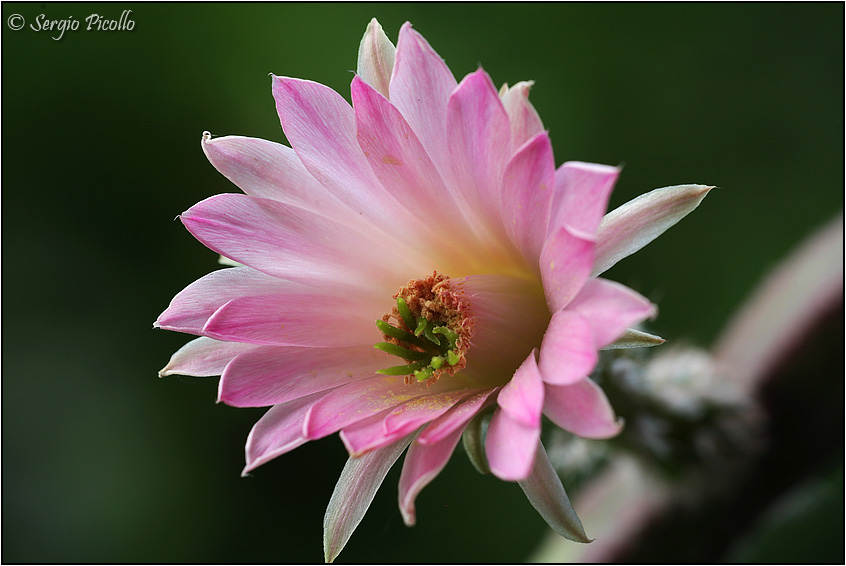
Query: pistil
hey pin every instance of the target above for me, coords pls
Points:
(430, 328)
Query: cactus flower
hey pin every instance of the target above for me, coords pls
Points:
(412, 261)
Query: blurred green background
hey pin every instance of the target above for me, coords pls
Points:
(104, 462)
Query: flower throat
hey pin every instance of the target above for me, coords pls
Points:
(430, 328)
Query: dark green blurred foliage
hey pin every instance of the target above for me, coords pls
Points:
(104, 462)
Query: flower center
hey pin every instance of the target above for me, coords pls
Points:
(430, 328)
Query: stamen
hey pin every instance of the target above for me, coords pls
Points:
(430, 328)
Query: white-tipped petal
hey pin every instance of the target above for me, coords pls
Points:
(354, 493)
(223, 260)
(525, 122)
(634, 338)
(203, 357)
(376, 58)
(545, 492)
(626, 229)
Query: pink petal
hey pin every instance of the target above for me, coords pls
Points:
(479, 142)
(581, 196)
(456, 418)
(203, 357)
(270, 375)
(270, 170)
(424, 409)
(582, 409)
(286, 241)
(383, 429)
(565, 264)
(511, 316)
(544, 491)
(296, 319)
(522, 397)
(514, 430)
(376, 57)
(368, 434)
(568, 352)
(354, 493)
(191, 308)
(422, 464)
(628, 228)
(400, 162)
(525, 122)
(611, 308)
(357, 401)
(420, 87)
(280, 430)
(527, 194)
(510, 446)
(321, 127)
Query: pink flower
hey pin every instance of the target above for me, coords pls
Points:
(435, 209)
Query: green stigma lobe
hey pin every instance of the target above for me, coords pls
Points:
(401, 334)
(435, 341)
(405, 313)
(447, 333)
(430, 335)
(422, 323)
(424, 374)
(400, 370)
(403, 353)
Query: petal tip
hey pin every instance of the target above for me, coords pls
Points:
(406, 26)
(249, 466)
(616, 428)
(310, 428)
(409, 516)
(352, 450)
(510, 475)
